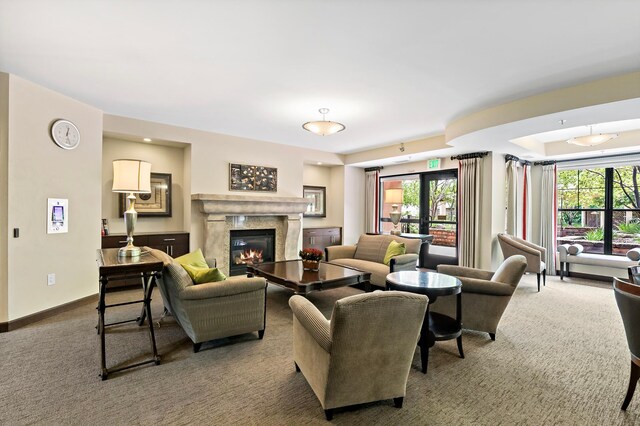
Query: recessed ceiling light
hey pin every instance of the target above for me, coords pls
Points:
(147, 139)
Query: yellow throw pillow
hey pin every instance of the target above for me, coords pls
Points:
(204, 275)
(395, 249)
(195, 258)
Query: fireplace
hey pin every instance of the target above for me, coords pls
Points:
(250, 246)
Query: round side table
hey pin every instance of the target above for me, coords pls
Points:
(436, 326)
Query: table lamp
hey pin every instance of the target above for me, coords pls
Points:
(394, 196)
(132, 177)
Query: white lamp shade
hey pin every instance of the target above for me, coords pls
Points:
(393, 195)
(131, 176)
(323, 128)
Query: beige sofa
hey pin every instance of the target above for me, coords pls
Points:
(368, 255)
(214, 310)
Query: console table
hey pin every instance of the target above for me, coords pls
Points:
(113, 267)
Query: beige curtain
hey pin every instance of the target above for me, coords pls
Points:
(526, 203)
(512, 195)
(548, 213)
(470, 195)
(371, 201)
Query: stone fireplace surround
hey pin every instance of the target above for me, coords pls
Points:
(222, 213)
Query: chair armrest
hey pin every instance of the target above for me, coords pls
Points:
(463, 271)
(339, 252)
(478, 286)
(211, 261)
(312, 320)
(542, 250)
(403, 262)
(563, 251)
(228, 287)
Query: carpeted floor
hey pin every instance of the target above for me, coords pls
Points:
(560, 357)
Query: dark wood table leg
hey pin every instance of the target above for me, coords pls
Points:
(101, 308)
(459, 322)
(150, 281)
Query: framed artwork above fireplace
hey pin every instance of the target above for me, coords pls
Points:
(244, 177)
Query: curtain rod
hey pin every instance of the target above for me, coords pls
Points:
(509, 157)
(373, 169)
(472, 155)
(600, 156)
(544, 163)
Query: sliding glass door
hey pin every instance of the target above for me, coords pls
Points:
(439, 212)
(429, 206)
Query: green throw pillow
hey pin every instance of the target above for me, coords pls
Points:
(195, 258)
(204, 275)
(395, 249)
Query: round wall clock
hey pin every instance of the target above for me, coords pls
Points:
(65, 134)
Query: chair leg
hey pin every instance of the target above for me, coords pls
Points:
(538, 274)
(493, 336)
(544, 277)
(562, 271)
(196, 347)
(297, 368)
(633, 380)
(260, 334)
(328, 414)
(398, 402)
(459, 341)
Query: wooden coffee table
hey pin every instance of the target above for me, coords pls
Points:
(290, 274)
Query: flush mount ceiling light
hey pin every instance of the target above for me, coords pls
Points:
(324, 127)
(591, 139)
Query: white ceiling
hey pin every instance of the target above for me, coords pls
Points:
(391, 71)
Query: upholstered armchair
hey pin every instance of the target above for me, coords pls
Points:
(628, 300)
(368, 255)
(213, 310)
(364, 353)
(534, 254)
(485, 294)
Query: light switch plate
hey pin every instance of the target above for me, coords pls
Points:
(51, 279)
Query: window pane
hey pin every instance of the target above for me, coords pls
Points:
(626, 194)
(409, 207)
(568, 189)
(591, 188)
(582, 227)
(443, 199)
(626, 231)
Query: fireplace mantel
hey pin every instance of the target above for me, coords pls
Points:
(237, 205)
(223, 212)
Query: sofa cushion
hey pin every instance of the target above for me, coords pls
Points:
(575, 249)
(394, 249)
(607, 260)
(379, 271)
(634, 254)
(374, 247)
(204, 275)
(195, 258)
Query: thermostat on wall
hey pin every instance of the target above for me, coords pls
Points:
(57, 215)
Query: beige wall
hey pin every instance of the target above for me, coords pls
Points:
(4, 189)
(211, 154)
(163, 159)
(353, 202)
(321, 176)
(37, 170)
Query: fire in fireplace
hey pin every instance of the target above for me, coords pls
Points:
(250, 246)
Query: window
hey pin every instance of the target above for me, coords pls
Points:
(599, 209)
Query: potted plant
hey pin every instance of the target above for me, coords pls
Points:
(310, 258)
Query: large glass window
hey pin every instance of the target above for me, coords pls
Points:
(598, 208)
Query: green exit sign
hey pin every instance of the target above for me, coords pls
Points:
(433, 164)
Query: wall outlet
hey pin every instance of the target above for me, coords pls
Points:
(51, 279)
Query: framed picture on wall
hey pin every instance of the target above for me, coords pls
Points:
(156, 203)
(244, 177)
(317, 196)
